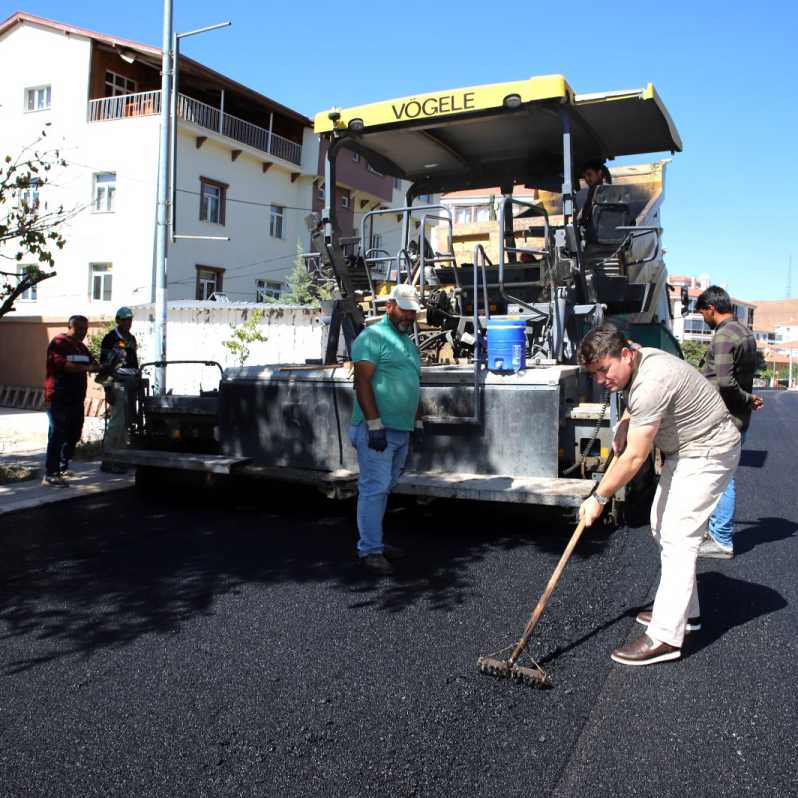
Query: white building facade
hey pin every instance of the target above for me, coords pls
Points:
(245, 171)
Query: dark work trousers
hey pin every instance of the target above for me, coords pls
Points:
(66, 424)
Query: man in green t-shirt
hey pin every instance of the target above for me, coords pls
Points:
(386, 411)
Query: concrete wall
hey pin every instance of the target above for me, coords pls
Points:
(197, 330)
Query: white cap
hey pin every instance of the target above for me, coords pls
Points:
(405, 296)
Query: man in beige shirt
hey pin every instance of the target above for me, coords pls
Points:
(669, 405)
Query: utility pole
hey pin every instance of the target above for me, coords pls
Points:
(162, 229)
(167, 153)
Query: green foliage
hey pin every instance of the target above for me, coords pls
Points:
(303, 289)
(761, 364)
(694, 352)
(28, 229)
(94, 340)
(242, 335)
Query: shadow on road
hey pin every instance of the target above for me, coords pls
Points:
(765, 530)
(727, 603)
(100, 572)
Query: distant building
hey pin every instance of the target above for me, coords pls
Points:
(690, 326)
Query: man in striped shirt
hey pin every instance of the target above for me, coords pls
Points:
(729, 365)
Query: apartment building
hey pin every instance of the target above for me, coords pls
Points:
(245, 170)
(690, 326)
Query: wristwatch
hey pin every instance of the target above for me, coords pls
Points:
(602, 500)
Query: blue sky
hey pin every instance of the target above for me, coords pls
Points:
(728, 74)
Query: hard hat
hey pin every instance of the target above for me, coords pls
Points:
(124, 313)
(405, 296)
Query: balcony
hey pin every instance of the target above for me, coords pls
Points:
(148, 103)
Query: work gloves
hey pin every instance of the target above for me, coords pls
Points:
(378, 437)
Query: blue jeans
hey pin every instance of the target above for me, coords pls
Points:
(721, 522)
(379, 473)
(66, 425)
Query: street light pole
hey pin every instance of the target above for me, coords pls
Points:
(162, 228)
(167, 152)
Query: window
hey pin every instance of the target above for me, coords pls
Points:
(209, 281)
(118, 84)
(276, 222)
(462, 214)
(37, 98)
(29, 197)
(482, 213)
(376, 241)
(356, 157)
(266, 290)
(104, 191)
(31, 294)
(696, 327)
(345, 202)
(100, 278)
(397, 183)
(213, 196)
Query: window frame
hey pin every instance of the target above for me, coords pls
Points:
(32, 192)
(264, 286)
(24, 296)
(109, 191)
(218, 281)
(207, 182)
(114, 86)
(346, 199)
(277, 212)
(103, 270)
(32, 91)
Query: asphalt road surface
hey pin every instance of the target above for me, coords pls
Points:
(178, 647)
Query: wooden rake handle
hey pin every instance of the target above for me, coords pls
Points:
(555, 577)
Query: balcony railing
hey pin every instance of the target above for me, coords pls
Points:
(147, 103)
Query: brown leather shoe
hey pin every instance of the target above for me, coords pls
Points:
(693, 624)
(645, 651)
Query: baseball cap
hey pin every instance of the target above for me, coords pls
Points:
(124, 313)
(405, 296)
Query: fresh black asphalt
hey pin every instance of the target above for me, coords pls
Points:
(191, 646)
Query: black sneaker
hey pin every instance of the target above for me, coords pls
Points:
(376, 563)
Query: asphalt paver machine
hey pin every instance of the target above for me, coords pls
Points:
(532, 435)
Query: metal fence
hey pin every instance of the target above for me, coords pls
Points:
(145, 103)
(198, 113)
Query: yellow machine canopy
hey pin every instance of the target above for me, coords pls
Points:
(500, 133)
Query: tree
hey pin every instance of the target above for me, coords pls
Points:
(243, 335)
(29, 230)
(761, 364)
(305, 288)
(694, 352)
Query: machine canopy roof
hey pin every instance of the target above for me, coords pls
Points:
(500, 133)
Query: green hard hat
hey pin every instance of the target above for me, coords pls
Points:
(124, 313)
